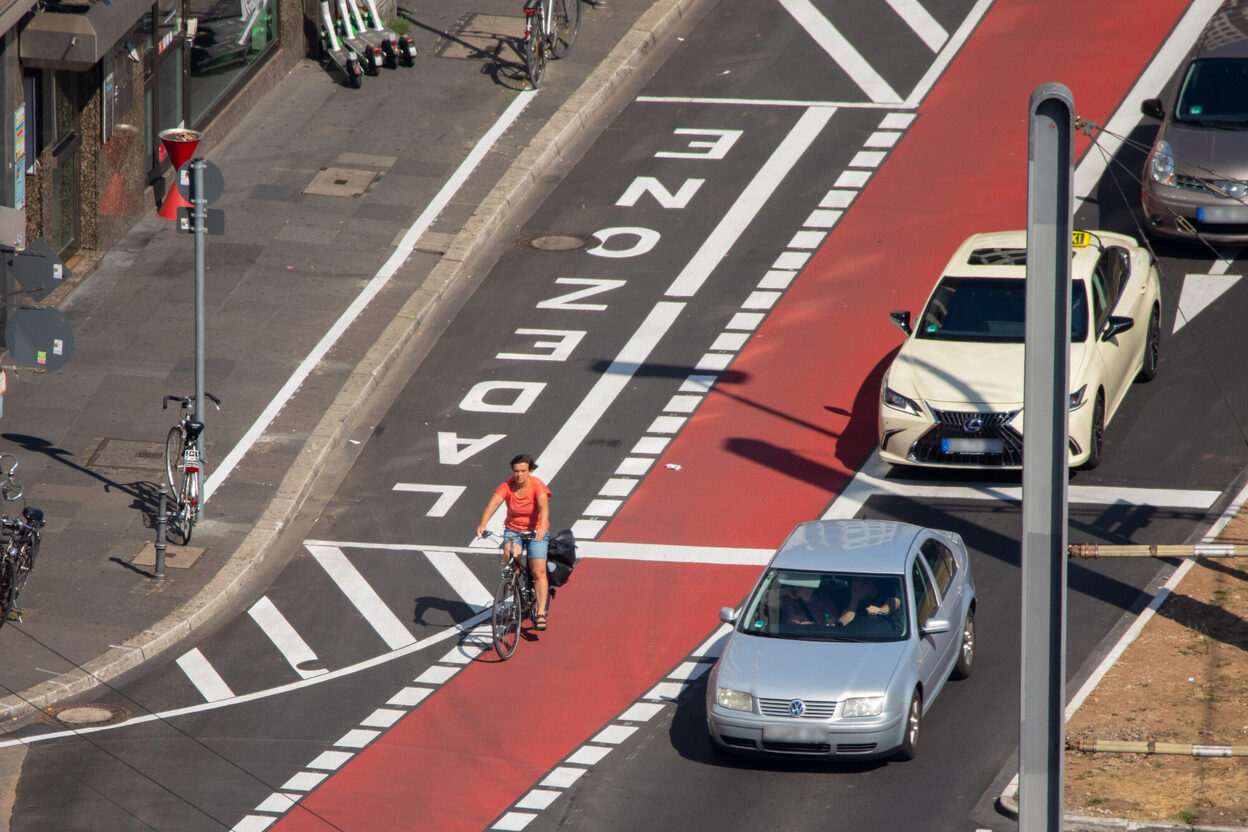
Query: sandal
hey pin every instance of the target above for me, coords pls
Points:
(539, 621)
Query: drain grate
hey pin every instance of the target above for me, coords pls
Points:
(556, 242)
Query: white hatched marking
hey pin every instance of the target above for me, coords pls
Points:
(288, 642)
(867, 159)
(304, 781)
(791, 260)
(761, 300)
(841, 51)
(409, 697)
(357, 738)
(921, 21)
(539, 799)
(436, 675)
(651, 445)
(714, 361)
(602, 508)
(897, 121)
(882, 138)
(745, 320)
(562, 777)
(614, 734)
(641, 712)
(514, 821)
(781, 278)
(204, 676)
(330, 760)
(730, 341)
(277, 803)
(634, 466)
(618, 487)
(665, 690)
(382, 718)
(807, 239)
(853, 179)
(697, 384)
(587, 529)
(466, 585)
(823, 217)
(683, 403)
(360, 594)
(689, 670)
(668, 424)
(837, 198)
(587, 755)
(253, 823)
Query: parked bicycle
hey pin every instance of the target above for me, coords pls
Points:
(550, 26)
(185, 465)
(22, 536)
(514, 601)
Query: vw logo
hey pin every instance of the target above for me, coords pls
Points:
(974, 424)
(797, 707)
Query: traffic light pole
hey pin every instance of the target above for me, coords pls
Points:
(198, 212)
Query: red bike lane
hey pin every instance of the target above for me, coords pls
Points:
(789, 443)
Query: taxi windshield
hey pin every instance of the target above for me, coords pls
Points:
(991, 310)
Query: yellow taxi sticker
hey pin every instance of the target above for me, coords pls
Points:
(1080, 239)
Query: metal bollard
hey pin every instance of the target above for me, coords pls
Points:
(162, 526)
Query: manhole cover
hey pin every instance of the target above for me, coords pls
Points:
(340, 182)
(312, 664)
(128, 453)
(555, 242)
(83, 716)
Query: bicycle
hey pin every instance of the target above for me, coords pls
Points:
(21, 545)
(514, 600)
(550, 26)
(184, 464)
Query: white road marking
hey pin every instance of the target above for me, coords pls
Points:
(921, 21)
(288, 642)
(362, 596)
(204, 676)
(447, 495)
(563, 777)
(388, 269)
(1200, 290)
(946, 54)
(462, 579)
(841, 50)
(755, 195)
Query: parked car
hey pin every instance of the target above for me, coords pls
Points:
(1194, 179)
(845, 642)
(953, 395)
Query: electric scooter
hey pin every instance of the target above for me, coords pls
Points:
(341, 57)
(396, 47)
(369, 54)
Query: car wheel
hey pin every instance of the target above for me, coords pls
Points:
(1096, 437)
(966, 651)
(910, 739)
(1152, 348)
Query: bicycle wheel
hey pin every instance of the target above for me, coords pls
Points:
(567, 24)
(174, 464)
(8, 582)
(23, 560)
(535, 54)
(181, 515)
(505, 619)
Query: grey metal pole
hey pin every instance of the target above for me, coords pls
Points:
(1045, 404)
(162, 530)
(198, 212)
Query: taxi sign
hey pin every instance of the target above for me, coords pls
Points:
(1080, 239)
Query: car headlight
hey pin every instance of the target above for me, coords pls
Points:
(863, 706)
(734, 700)
(896, 401)
(1161, 163)
(1078, 398)
(1230, 188)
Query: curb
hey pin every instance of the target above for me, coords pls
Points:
(565, 127)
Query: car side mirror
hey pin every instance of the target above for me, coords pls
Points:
(901, 320)
(727, 615)
(1115, 325)
(1152, 108)
(936, 625)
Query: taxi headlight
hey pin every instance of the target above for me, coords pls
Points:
(864, 706)
(1161, 163)
(734, 700)
(891, 398)
(1078, 398)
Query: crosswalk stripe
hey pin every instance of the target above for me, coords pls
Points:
(359, 593)
(466, 585)
(203, 676)
(284, 638)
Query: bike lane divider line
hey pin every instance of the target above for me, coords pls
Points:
(801, 396)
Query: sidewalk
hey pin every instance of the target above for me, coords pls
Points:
(322, 185)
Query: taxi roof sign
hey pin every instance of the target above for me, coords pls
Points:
(1080, 239)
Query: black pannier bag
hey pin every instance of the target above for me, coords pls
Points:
(560, 558)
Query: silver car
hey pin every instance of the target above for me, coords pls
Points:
(1195, 177)
(844, 642)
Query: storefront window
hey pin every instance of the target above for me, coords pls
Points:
(228, 37)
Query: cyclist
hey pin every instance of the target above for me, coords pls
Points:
(528, 513)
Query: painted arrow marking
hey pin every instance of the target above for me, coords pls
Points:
(1200, 290)
(449, 494)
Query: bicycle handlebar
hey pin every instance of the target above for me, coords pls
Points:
(186, 400)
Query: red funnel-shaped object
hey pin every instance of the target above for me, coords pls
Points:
(173, 201)
(180, 144)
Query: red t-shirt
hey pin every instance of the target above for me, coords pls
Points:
(522, 512)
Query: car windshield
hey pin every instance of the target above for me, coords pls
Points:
(990, 309)
(1214, 91)
(801, 604)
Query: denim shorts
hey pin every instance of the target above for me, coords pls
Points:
(534, 548)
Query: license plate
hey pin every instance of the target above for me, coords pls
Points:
(972, 446)
(1223, 214)
(796, 733)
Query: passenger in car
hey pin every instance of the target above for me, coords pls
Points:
(800, 604)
